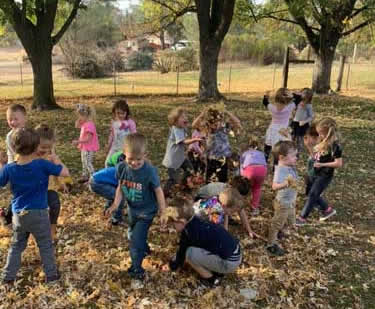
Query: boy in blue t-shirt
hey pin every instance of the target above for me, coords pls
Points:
(139, 185)
(28, 178)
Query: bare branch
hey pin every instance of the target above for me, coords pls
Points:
(286, 20)
(56, 38)
(364, 24)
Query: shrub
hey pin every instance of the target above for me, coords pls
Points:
(139, 61)
(169, 60)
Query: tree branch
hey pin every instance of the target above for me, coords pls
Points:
(364, 24)
(56, 38)
(286, 20)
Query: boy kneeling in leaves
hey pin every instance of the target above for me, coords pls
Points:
(207, 247)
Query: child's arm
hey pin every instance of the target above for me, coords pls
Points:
(77, 124)
(116, 201)
(246, 223)
(226, 220)
(192, 140)
(110, 139)
(234, 120)
(279, 186)
(87, 139)
(197, 120)
(161, 200)
(64, 172)
(265, 101)
(335, 164)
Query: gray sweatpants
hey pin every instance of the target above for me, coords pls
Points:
(35, 222)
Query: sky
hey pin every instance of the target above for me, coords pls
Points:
(124, 4)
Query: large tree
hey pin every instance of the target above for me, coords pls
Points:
(214, 19)
(34, 22)
(324, 23)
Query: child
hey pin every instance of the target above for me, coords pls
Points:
(208, 248)
(254, 168)
(302, 118)
(174, 157)
(46, 151)
(28, 178)
(88, 142)
(196, 152)
(121, 126)
(17, 118)
(284, 182)
(327, 157)
(139, 185)
(281, 112)
(217, 209)
(218, 147)
(104, 183)
(310, 139)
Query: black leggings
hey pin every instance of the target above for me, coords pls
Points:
(217, 170)
(53, 204)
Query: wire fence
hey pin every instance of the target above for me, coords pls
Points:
(16, 80)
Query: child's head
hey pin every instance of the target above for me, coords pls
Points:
(307, 95)
(215, 119)
(177, 117)
(180, 213)
(285, 152)
(85, 112)
(25, 141)
(16, 116)
(311, 136)
(47, 139)
(231, 200)
(242, 184)
(328, 133)
(135, 150)
(254, 142)
(120, 110)
(283, 96)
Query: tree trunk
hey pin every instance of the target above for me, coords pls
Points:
(322, 71)
(208, 59)
(162, 39)
(41, 63)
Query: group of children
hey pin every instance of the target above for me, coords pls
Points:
(201, 194)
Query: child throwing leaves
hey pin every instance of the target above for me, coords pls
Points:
(174, 158)
(327, 157)
(218, 147)
(207, 247)
(284, 182)
(88, 142)
(139, 185)
(121, 126)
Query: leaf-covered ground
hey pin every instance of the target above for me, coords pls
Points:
(328, 265)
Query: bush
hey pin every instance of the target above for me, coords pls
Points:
(140, 61)
(169, 60)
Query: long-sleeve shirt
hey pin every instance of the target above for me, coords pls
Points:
(304, 113)
(209, 236)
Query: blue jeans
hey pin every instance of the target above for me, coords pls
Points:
(315, 187)
(139, 224)
(35, 222)
(108, 191)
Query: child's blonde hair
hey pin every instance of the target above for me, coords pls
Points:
(86, 111)
(45, 132)
(253, 142)
(135, 143)
(174, 115)
(283, 96)
(307, 95)
(329, 126)
(232, 197)
(180, 208)
(282, 148)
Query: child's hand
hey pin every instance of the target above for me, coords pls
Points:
(64, 188)
(75, 142)
(302, 123)
(318, 165)
(291, 182)
(251, 234)
(109, 211)
(165, 268)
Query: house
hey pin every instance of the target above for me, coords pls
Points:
(147, 41)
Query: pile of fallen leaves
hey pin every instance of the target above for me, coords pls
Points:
(327, 265)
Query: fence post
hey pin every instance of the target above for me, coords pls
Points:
(347, 77)
(21, 73)
(286, 68)
(114, 79)
(178, 79)
(230, 78)
(341, 73)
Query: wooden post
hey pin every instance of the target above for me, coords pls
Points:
(114, 79)
(347, 77)
(274, 75)
(21, 74)
(354, 53)
(178, 79)
(230, 77)
(308, 52)
(341, 73)
(286, 68)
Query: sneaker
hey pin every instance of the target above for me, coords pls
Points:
(210, 282)
(53, 278)
(116, 222)
(301, 221)
(137, 275)
(328, 213)
(275, 250)
(255, 212)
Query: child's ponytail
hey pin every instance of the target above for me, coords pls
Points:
(87, 111)
(328, 125)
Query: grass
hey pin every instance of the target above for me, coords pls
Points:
(329, 265)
